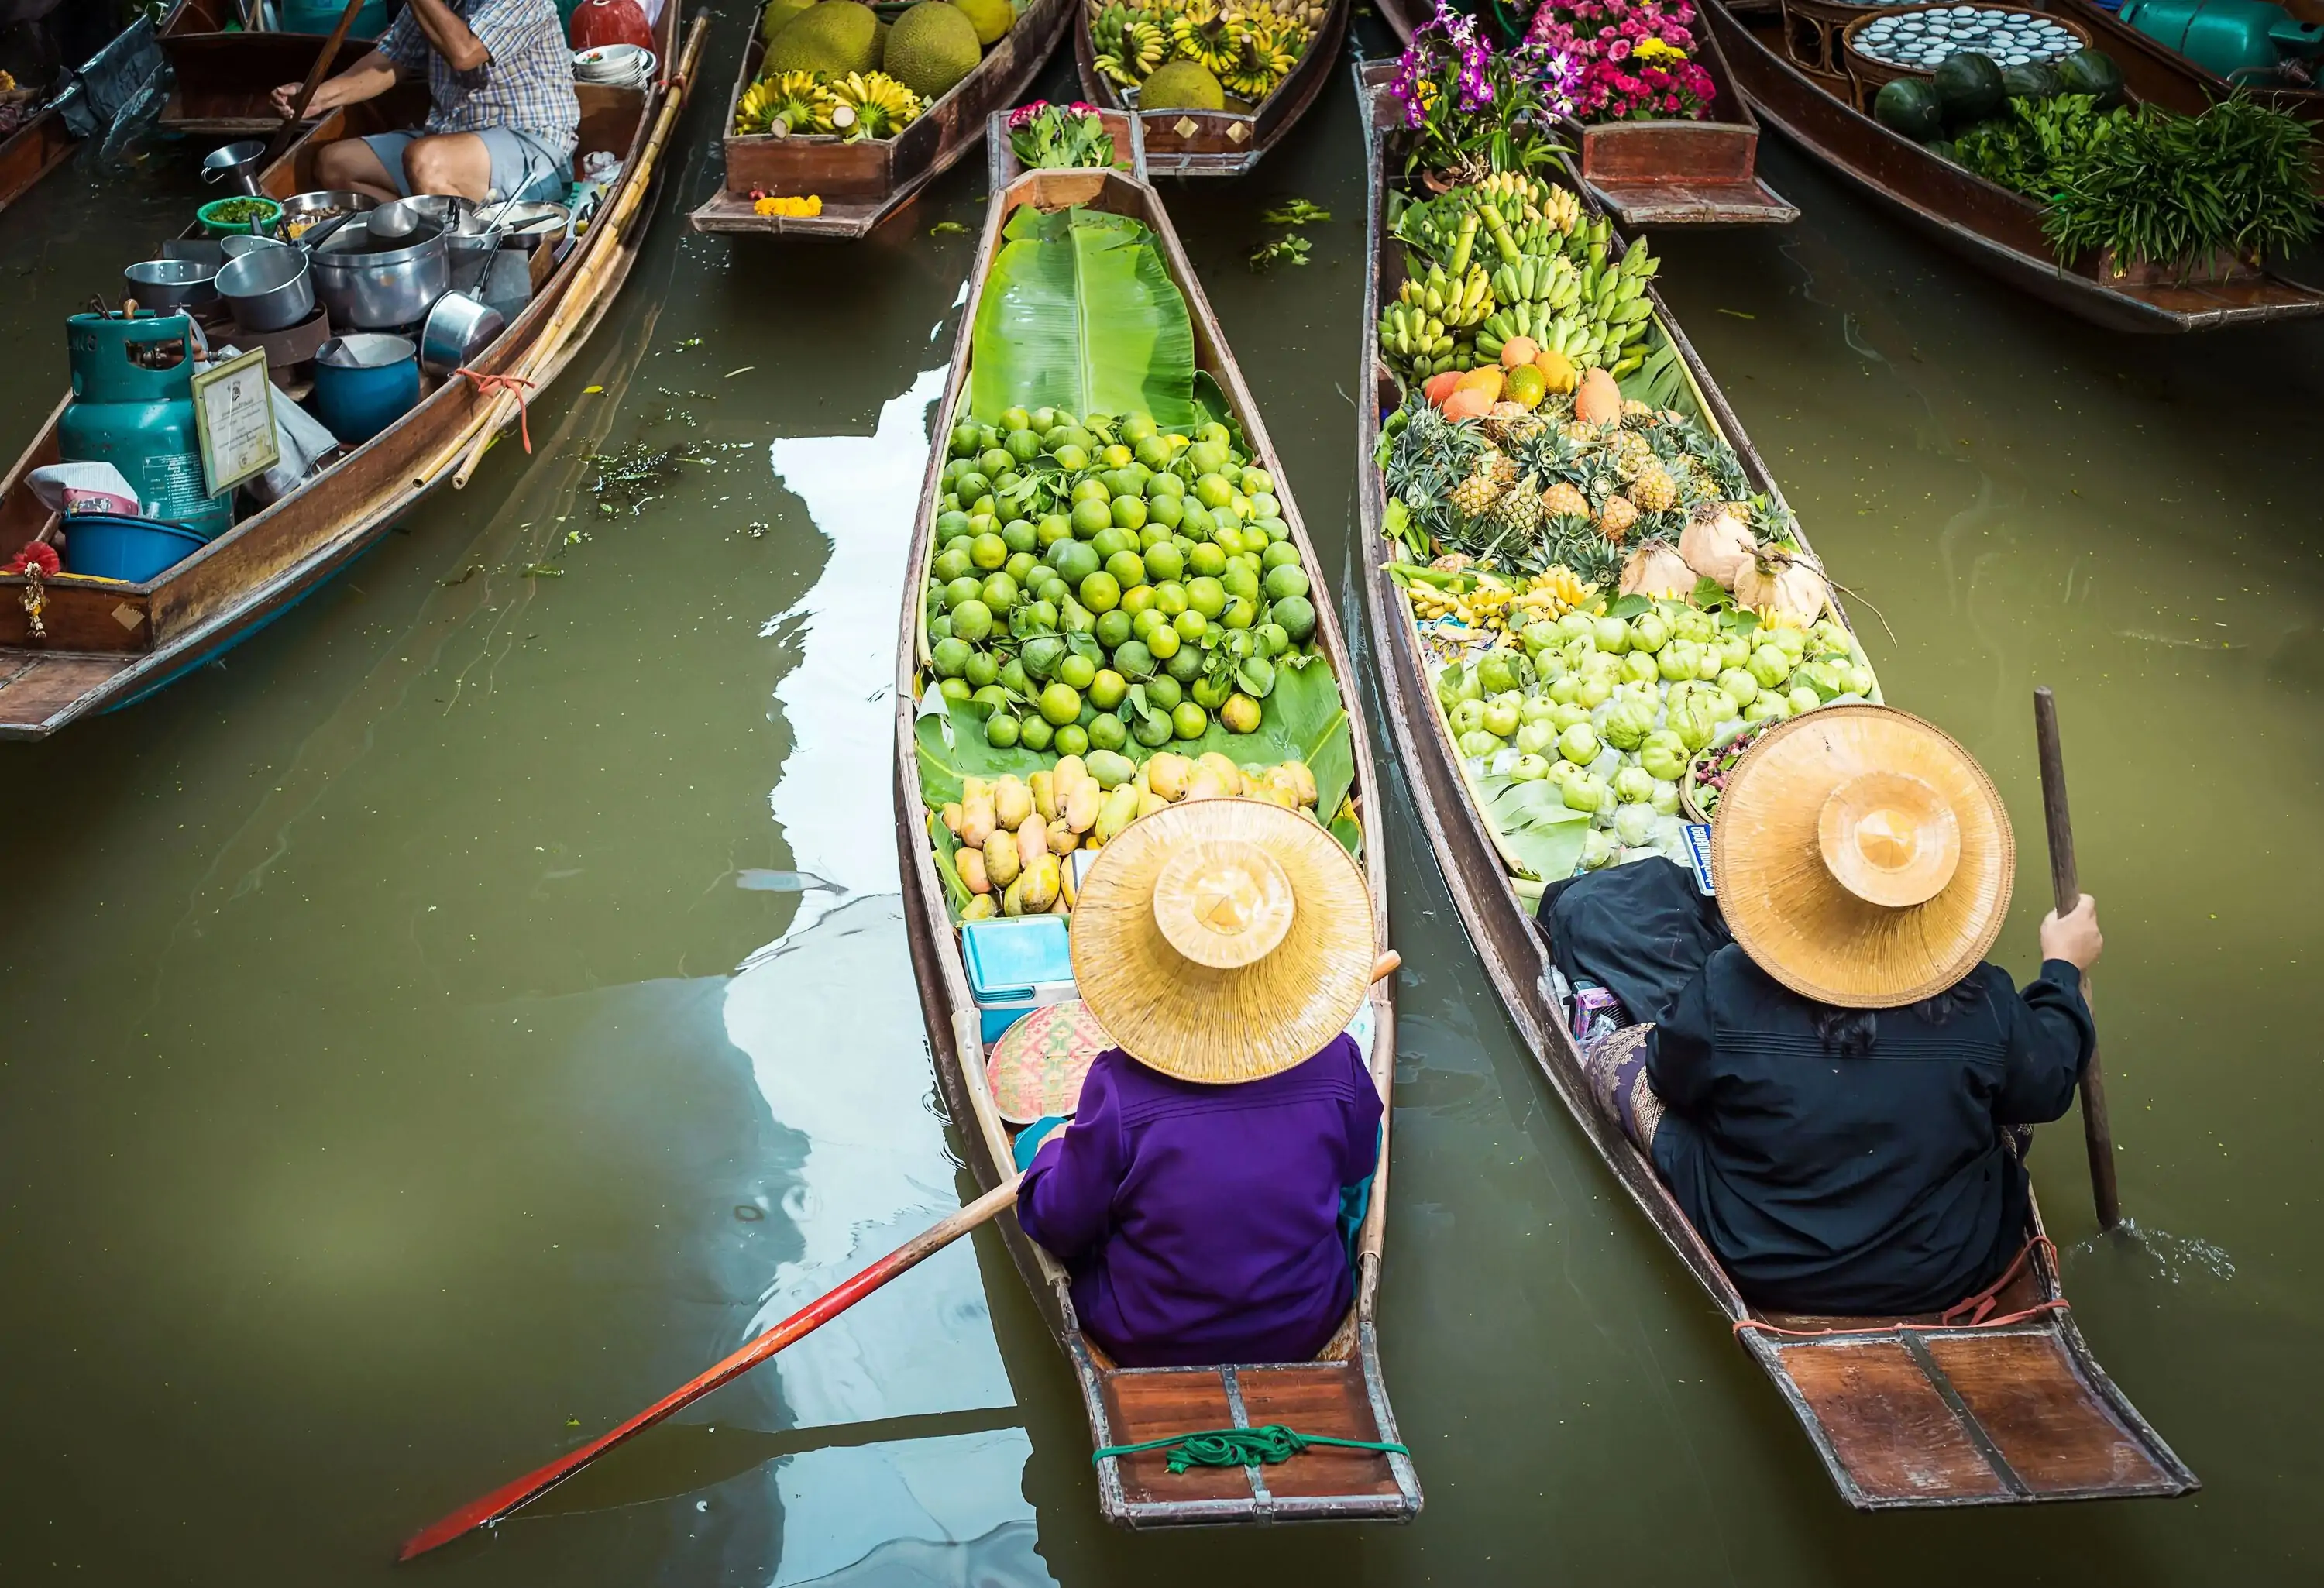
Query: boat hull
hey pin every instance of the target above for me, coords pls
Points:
(1219, 143)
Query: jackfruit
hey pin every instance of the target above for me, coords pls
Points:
(832, 36)
(1178, 85)
(990, 18)
(930, 48)
(778, 16)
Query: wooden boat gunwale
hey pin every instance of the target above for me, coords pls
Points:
(1998, 230)
(952, 1019)
(1515, 956)
(1663, 197)
(954, 124)
(154, 631)
(1246, 136)
(2153, 71)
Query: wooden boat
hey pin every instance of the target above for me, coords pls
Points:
(1998, 231)
(1664, 173)
(1902, 1412)
(1341, 1394)
(2153, 71)
(1218, 143)
(37, 147)
(224, 73)
(862, 184)
(109, 643)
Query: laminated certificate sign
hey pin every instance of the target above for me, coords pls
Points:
(233, 417)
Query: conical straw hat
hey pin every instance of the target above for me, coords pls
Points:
(1222, 940)
(1862, 857)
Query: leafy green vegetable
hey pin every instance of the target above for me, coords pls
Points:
(1080, 313)
(1536, 826)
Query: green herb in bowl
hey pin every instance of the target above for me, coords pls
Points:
(225, 216)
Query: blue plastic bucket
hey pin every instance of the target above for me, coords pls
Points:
(363, 382)
(112, 546)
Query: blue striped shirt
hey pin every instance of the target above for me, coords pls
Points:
(526, 85)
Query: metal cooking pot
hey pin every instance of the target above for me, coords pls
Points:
(533, 224)
(374, 288)
(303, 210)
(165, 285)
(237, 163)
(268, 288)
(235, 244)
(401, 219)
(458, 329)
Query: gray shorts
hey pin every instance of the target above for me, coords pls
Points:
(522, 167)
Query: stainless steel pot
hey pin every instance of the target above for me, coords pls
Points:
(268, 288)
(374, 288)
(401, 219)
(167, 285)
(458, 329)
(302, 211)
(533, 224)
(235, 244)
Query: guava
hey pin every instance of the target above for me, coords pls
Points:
(1663, 756)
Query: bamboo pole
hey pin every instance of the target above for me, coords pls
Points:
(604, 238)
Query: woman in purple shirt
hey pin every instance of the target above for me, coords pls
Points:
(1199, 1197)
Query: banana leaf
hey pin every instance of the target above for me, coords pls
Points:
(1080, 313)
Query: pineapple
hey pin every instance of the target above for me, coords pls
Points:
(1654, 490)
(1512, 423)
(1563, 501)
(1518, 510)
(1615, 519)
(1637, 415)
(1474, 496)
(1501, 466)
(1580, 432)
(1633, 456)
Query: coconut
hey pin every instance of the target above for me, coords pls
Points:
(1716, 543)
(1656, 570)
(1790, 582)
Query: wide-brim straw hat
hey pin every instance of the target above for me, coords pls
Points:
(1222, 940)
(1862, 857)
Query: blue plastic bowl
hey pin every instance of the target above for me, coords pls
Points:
(112, 546)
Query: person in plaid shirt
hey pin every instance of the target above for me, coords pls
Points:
(503, 118)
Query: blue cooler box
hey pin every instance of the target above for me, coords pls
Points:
(1016, 966)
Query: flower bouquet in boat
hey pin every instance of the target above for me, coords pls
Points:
(1657, 139)
(1111, 613)
(1216, 82)
(843, 111)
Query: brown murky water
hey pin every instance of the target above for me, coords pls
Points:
(404, 1069)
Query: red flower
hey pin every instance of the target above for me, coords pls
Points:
(40, 552)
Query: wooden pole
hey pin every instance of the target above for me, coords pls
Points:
(604, 235)
(315, 76)
(2066, 889)
(501, 1502)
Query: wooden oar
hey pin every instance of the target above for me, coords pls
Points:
(315, 76)
(2066, 888)
(512, 1497)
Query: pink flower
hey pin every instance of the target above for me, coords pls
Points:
(1083, 107)
(1619, 50)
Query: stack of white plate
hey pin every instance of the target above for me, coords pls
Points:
(614, 65)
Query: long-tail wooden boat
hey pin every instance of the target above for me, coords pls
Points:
(1342, 1393)
(110, 644)
(2153, 71)
(224, 73)
(1664, 173)
(863, 183)
(1902, 1412)
(1998, 231)
(1218, 143)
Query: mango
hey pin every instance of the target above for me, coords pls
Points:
(974, 789)
(970, 864)
(1012, 903)
(1306, 779)
(1032, 839)
(1069, 770)
(1042, 880)
(1229, 775)
(950, 816)
(976, 821)
(979, 908)
(1045, 794)
(1062, 840)
(1082, 807)
(1003, 862)
(1206, 785)
(1150, 802)
(1013, 802)
(1167, 773)
(1120, 810)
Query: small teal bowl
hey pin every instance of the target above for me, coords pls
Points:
(365, 382)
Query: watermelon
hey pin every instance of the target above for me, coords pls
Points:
(1944, 149)
(1908, 106)
(1968, 87)
(2086, 71)
(2030, 79)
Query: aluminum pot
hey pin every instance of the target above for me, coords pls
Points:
(370, 288)
(458, 329)
(165, 285)
(533, 224)
(237, 164)
(302, 211)
(268, 288)
(241, 242)
(400, 219)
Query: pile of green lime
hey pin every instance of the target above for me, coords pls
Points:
(1097, 580)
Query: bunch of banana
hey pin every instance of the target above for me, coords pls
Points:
(1415, 341)
(1458, 300)
(1127, 45)
(1550, 594)
(1549, 280)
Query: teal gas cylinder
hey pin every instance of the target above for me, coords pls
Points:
(133, 407)
(2226, 36)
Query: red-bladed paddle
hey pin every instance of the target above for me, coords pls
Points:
(512, 1497)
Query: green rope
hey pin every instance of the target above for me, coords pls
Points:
(1239, 1447)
